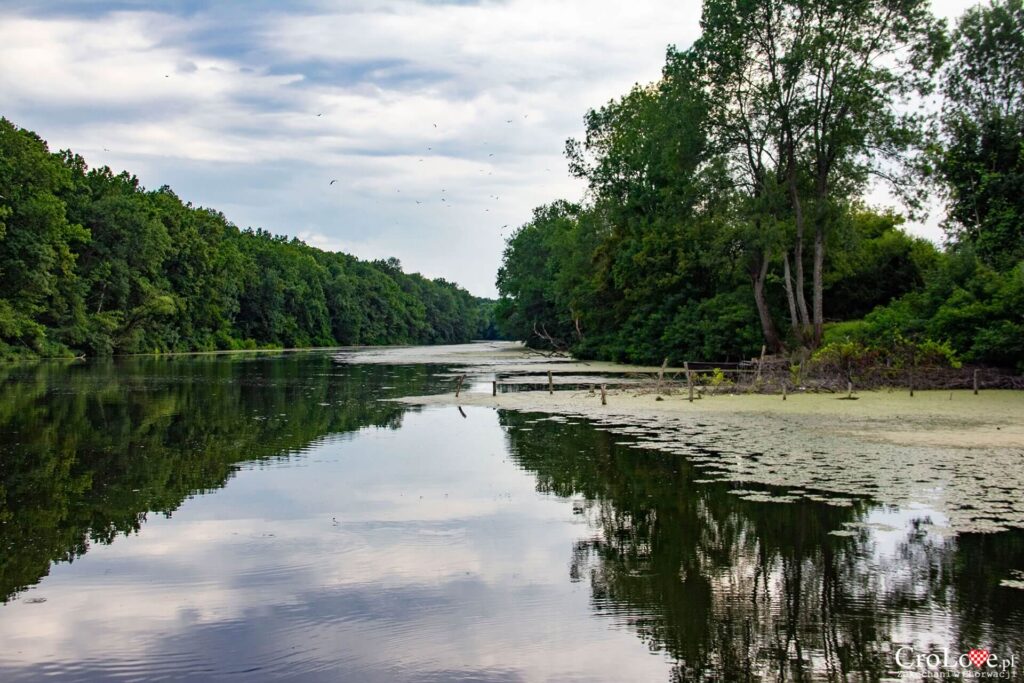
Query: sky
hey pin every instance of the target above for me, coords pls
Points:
(441, 123)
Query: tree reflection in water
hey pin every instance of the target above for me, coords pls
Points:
(740, 590)
(88, 451)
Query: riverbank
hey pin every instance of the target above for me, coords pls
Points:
(954, 457)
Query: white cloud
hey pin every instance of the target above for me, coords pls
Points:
(225, 110)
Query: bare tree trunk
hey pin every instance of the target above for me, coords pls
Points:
(771, 336)
(819, 265)
(794, 322)
(798, 248)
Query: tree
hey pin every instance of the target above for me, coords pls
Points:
(804, 101)
(37, 242)
(982, 159)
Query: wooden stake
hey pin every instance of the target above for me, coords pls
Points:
(604, 396)
(975, 381)
(459, 387)
(760, 363)
(783, 391)
(494, 388)
(689, 379)
(661, 373)
(849, 389)
(551, 383)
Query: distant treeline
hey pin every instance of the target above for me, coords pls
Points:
(725, 201)
(91, 262)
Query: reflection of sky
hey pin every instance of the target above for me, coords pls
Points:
(416, 554)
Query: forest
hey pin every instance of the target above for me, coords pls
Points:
(727, 204)
(93, 263)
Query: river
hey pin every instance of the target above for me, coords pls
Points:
(269, 517)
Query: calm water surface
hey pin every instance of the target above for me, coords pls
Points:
(267, 517)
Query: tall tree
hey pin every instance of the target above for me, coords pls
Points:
(806, 100)
(982, 160)
(37, 241)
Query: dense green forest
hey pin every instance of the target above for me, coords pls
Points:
(726, 202)
(91, 262)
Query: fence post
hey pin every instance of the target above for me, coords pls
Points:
(689, 379)
(494, 388)
(760, 362)
(783, 390)
(604, 399)
(661, 374)
(975, 381)
(551, 384)
(459, 387)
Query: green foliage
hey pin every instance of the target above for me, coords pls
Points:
(661, 263)
(977, 311)
(714, 379)
(92, 261)
(849, 358)
(713, 190)
(982, 161)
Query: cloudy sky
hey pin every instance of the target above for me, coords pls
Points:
(441, 121)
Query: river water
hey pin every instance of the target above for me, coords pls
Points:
(268, 517)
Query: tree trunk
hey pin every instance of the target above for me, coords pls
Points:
(819, 265)
(794, 322)
(798, 248)
(771, 336)
(821, 215)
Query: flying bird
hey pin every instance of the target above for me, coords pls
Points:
(332, 182)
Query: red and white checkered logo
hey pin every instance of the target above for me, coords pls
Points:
(978, 657)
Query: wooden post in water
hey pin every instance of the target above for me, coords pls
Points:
(661, 374)
(689, 379)
(849, 389)
(783, 390)
(975, 381)
(458, 388)
(604, 396)
(551, 384)
(913, 366)
(760, 362)
(494, 388)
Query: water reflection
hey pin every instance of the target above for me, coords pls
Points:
(345, 538)
(741, 590)
(87, 451)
